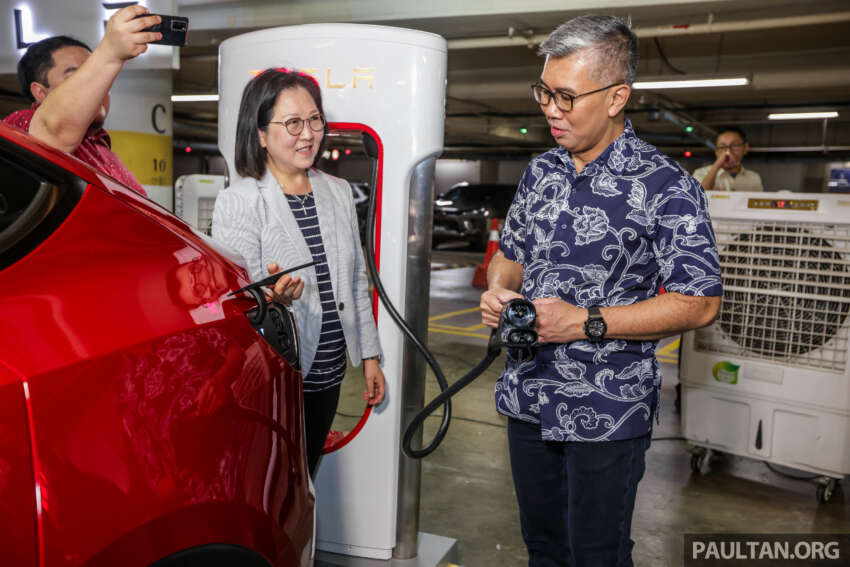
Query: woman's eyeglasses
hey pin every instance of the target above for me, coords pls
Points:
(296, 125)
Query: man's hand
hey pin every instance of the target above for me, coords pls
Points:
(559, 321)
(286, 288)
(723, 160)
(492, 302)
(124, 38)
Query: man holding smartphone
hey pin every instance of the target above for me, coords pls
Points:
(69, 86)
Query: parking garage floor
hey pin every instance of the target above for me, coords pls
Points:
(467, 492)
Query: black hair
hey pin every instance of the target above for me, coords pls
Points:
(38, 60)
(734, 130)
(255, 113)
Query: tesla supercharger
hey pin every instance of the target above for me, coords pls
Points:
(390, 84)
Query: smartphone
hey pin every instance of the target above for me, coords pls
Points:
(174, 29)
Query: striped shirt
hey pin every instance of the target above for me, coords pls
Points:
(329, 365)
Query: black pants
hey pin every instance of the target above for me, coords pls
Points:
(319, 411)
(576, 499)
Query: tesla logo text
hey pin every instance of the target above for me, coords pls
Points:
(359, 77)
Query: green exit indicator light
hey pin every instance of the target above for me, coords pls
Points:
(523, 130)
(689, 128)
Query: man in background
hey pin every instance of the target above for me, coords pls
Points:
(69, 85)
(727, 173)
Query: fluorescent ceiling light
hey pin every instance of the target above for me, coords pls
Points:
(194, 98)
(801, 115)
(692, 83)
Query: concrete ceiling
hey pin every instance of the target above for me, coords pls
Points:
(797, 53)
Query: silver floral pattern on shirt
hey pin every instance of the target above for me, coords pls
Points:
(632, 221)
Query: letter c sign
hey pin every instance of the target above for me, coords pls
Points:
(157, 108)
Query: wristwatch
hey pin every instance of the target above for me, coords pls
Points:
(595, 326)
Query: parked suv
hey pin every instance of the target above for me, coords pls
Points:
(464, 212)
(143, 419)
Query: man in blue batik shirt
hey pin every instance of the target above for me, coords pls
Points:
(597, 226)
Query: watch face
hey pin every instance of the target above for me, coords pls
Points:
(595, 328)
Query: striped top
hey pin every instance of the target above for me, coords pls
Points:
(328, 367)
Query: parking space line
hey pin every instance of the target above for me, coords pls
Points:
(461, 333)
(465, 331)
(456, 328)
(452, 314)
(669, 352)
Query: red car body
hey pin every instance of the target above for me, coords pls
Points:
(142, 418)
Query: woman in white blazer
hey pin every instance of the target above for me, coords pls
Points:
(284, 212)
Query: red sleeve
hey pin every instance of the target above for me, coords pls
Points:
(20, 119)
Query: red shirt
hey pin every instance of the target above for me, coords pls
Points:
(95, 150)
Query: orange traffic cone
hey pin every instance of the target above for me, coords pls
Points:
(480, 277)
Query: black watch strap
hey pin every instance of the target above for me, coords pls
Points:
(595, 326)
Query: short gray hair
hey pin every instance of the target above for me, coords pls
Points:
(612, 44)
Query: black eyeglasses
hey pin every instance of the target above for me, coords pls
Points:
(735, 146)
(296, 125)
(563, 101)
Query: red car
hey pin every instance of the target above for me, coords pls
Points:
(143, 419)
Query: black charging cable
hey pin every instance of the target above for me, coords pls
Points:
(493, 350)
(256, 291)
(371, 150)
(515, 330)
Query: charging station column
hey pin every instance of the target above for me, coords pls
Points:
(389, 84)
(420, 227)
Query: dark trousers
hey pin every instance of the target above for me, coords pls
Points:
(576, 499)
(319, 411)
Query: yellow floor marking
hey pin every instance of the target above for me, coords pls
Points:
(669, 352)
(456, 328)
(453, 313)
(461, 333)
(448, 327)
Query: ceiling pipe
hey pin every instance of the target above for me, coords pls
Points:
(664, 31)
(527, 40)
(674, 118)
(798, 149)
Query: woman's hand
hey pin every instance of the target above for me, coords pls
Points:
(376, 386)
(286, 288)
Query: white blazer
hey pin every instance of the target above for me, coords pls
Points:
(253, 217)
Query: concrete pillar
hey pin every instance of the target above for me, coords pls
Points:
(139, 124)
(489, 171)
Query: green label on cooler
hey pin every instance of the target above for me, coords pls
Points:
(725, 372)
